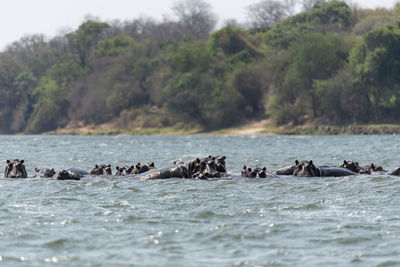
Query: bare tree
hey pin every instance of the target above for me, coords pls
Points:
(308, 4)
(196, 17)
(266, 13)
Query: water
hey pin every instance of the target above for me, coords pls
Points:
(98, 221)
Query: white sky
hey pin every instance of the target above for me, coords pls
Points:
(49, 17)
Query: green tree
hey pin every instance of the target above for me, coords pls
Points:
(85, 38)
(375, 62)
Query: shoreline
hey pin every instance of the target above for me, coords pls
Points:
(264, 127)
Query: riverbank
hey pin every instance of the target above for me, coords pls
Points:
(262, 127)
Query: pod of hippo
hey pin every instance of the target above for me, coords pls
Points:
(204, 168)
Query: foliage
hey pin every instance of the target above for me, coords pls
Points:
(330, 64)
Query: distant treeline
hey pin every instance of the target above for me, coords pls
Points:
(330, 64)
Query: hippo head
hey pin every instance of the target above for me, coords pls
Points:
(125, 170)
(101, 170)
(255, 172)
(15, 169)
(119, 171)
(145, 167)
(376, 168)
(65, 175)
(306, 169)
(205, 168)
(220, 164)
(352, 166)
(44, 173)
(107, 170)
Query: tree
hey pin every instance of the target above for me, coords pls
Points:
(84, 39)
(196, 17)
(308, 4)
(375, 61)
(266, 13)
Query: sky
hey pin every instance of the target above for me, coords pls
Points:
(52, 17)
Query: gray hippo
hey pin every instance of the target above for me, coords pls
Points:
(126, 170)
(70, 174)
(66, 175)
(308, 169)
(205, 169)
(220, 165)
(15, 169)
(177, 171)
(288, 170)
(44, 173)
(198, 168)
(101, 170)
(355, 167)
(396, 172)
(142, 168)
(256, 172)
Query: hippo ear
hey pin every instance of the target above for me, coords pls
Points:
(138, 164)
(311, 162)
(96, 166)
(297, 162)
(345, 162)
(223, 157)
(244, 167)
(152, 164)
(52, 170)
(210, 156)
(8, 161)
(174, 162)
(117, 168)
(265, 168)
(36, 169)
(197, 160)
(109, 166)
(22, 161)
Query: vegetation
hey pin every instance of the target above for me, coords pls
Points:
(332, 65)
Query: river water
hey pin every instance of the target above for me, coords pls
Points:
(114, 221)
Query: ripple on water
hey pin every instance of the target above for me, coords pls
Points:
(227, 222)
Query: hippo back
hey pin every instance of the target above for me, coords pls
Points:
(327, 171)
(77, 172)
(179, 171)
(44, 173)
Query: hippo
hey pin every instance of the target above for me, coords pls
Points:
(355, 167)
(220, 164)
(396, 172)
(256, 172)
(206, 168)
(15, 169)
(308, 169)
(66, 175)
(369, 169)
(288, 170)
(141, 168)
(177, 171)
(44, 173)
(377, 169)
(70, 174)
(101, 170)
(198, 168)
(123, 171)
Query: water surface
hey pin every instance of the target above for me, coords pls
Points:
(114, 221)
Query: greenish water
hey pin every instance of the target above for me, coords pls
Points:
(114, 221)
